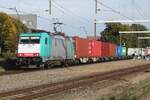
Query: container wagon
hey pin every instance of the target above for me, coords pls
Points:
(95, 50)
(112, 51)
(82, 49)
(105, 51)
(119, 52)
(124, 51)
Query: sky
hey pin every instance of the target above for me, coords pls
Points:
(78, 15)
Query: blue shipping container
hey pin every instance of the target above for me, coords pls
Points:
(119, 51)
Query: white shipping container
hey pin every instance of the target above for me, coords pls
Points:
(136, 51)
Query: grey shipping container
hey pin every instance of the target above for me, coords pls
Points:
(62, 48)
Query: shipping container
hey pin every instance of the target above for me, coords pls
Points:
(62, 48)
(105, 49)
(95, 48)
(136, 51)
(70, 48)
(124, 51)
(82, 47)
(112, 50)
(119, 51)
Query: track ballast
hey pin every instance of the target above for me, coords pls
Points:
(47, 89)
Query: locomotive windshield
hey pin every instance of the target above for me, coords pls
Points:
(29, 40)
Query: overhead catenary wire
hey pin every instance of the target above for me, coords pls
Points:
(113, 10)
(140, 13)
(69, 11)
(26, 13)
(139, 10)
(47, 19)
(64, 11)
(50, 20)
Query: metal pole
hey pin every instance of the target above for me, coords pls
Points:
(95, 19)
(17, 13)
(120, 40)
(50, 7)
(138, 46)
(95, 6)
(84, 29)
(19, 19)
(133, 9)
(95, 29)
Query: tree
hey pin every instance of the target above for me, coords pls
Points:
(9, 31)
(111, 34)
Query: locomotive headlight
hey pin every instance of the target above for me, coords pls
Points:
(36, 54)
(75, 56)
(20, 54)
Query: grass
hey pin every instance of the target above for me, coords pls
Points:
(139, 91)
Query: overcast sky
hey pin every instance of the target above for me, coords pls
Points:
(76, 14)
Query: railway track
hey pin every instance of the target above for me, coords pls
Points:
(47, 89)
(26, 70)
(11, 72)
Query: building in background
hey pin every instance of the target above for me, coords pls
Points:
(30, 20)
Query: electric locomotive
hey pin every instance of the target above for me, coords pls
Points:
(44, 50)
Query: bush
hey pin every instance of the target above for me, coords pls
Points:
(8, 61)
(8, 55)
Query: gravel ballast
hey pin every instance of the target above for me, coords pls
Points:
(120, 89)
(23, 80)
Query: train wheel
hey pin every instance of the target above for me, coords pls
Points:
(48, 65)
(65, 64)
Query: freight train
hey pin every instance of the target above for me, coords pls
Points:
(47, 50)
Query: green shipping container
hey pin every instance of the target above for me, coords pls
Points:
(70, 48)
(124, 51)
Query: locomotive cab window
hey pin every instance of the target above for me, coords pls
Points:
(24, 40)
(35, 39)
(29, 40)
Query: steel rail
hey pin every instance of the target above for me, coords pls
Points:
(52, 88)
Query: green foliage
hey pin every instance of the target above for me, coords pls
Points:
(130, 96)
(104, 98)
(8, 55)
(9, 30)
(111, 34)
